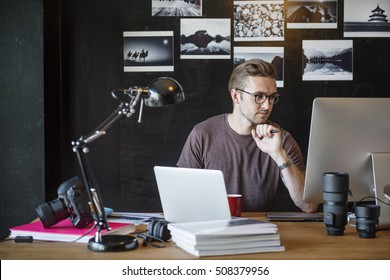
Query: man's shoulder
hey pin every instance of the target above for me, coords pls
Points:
(210, 127)
(217, 120)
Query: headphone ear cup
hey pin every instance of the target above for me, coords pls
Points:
(151, 226)
(156, 229)
(165, 232)
(159, 229)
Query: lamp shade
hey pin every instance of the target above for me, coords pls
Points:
(163, 91)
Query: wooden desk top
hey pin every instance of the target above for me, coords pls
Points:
(302, 240)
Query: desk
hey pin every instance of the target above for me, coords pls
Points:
(303, 240)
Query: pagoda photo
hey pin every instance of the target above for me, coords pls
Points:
(378, 15)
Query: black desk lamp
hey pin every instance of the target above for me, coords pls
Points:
(160, 92)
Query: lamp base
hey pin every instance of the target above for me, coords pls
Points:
(113, 243)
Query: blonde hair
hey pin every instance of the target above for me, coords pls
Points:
(253, 68)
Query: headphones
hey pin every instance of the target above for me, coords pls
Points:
(157, 230)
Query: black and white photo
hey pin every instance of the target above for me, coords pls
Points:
(366, 18)
(176, 8)
(274, 55)
(327, 60)
(311, 14)
(145, 51)
(258, 20)
(205, 38)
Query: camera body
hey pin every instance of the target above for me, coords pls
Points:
(71, 203)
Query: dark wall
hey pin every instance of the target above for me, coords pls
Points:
(21, 111)
(123, 160)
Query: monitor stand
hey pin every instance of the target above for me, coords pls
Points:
(381, 173)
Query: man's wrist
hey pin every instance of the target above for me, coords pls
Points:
(286, 164)
(280, 157)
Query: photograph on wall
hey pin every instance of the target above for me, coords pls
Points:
(327, 60)
(366, 18)
(258, 20)
(205, 38)
(274, 55)
(177, 8)
(311, 14)
(148, 51)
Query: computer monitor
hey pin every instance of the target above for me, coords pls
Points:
(351, 135)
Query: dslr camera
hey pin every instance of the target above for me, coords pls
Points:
(71, 203)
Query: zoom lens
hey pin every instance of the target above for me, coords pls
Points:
(335, 190)
(52, 212)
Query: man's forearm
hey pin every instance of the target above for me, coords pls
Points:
(294, 180)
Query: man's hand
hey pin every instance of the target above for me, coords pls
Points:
(267, 139)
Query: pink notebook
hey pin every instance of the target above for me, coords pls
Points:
(64, 231)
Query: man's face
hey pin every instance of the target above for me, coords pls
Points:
(256, 113)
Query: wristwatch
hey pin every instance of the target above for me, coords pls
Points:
(284, 165)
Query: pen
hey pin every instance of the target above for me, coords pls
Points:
(275, 131)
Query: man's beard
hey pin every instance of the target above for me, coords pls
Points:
(255, 121)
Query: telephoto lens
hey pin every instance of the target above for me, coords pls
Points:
(335, 188)
(367, 220)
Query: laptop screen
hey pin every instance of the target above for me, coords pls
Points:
(190, 194)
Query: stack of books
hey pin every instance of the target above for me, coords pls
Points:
(226, 237)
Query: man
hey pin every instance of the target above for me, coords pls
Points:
(253, 153)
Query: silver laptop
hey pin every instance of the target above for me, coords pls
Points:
(190, 194)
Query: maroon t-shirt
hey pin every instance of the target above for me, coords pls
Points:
(212, 144)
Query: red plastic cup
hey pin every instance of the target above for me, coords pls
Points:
(235, 204)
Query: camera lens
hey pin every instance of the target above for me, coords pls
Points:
(52, 212)
(367, 220)
(335, 190)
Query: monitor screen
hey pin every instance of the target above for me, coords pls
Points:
(344, 134)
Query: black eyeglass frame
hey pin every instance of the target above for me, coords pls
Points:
(273, 98)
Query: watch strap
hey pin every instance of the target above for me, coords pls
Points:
(284, 165)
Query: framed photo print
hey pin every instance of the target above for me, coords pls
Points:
(205, 38)
(274, 55)
(327, 60)
(366, 18)
(176, 8)
(258, 20)
(148, 51)
(311, 14)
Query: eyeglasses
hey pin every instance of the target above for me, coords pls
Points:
(261, 97)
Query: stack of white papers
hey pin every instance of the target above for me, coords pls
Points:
(226, 237)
